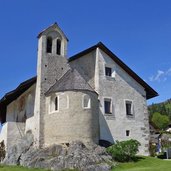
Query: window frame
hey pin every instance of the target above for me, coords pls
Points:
(58, 46)
(107, 68)
(111, 106)
(113, 72)
(129, 102)
(52, 99)
(89, 102)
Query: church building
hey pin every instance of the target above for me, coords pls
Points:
(90, 96)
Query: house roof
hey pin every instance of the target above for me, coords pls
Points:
(12, 95)
(71, 80)
(149, 90)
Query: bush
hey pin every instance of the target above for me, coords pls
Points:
(152, 149)
(124, 151)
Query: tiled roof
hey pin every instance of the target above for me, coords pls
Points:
(71, 80)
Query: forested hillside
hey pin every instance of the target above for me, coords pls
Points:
(163, 108)
(160, 114)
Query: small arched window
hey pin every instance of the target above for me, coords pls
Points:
(49, 45)
(58, 47)
(86, 101)
(54, 104)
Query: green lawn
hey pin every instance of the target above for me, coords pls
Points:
(145, 164)
(17, 168)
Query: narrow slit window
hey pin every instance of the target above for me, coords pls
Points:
(56, 103)
(108, 106)
(58, 47)
(49, 45)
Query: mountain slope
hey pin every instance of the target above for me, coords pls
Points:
(163, 108)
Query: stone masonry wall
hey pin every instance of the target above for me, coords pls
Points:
(50, 68)
(120, 88)
(72, 122)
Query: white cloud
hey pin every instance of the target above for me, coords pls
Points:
(168, 71)
(161, 75)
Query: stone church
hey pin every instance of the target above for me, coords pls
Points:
(90, 96)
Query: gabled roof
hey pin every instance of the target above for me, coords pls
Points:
(149, 90)
(12, 95)
(55, 25)
(71, 80)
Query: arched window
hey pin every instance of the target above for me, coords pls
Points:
(86, 101)
(49, 45)
(58, 47)
(54, 104)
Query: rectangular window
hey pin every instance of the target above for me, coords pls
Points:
(129, 108)
(108, 106)
(108, 71)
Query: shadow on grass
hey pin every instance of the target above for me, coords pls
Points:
(132, 159)
(137, 158)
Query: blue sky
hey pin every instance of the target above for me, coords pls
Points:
(137, 31)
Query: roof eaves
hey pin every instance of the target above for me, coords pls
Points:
(21, 87)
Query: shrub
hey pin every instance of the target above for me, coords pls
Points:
(124, 151)
(152, 149)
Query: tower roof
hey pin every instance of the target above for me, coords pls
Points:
(53, 26)
(71, 80)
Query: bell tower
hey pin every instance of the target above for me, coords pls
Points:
(51, 65)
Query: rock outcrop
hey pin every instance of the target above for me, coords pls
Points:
(57, 157)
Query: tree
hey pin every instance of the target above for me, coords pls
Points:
(161, 121)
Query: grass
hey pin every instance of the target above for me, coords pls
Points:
(145, 164)
(19, 168)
